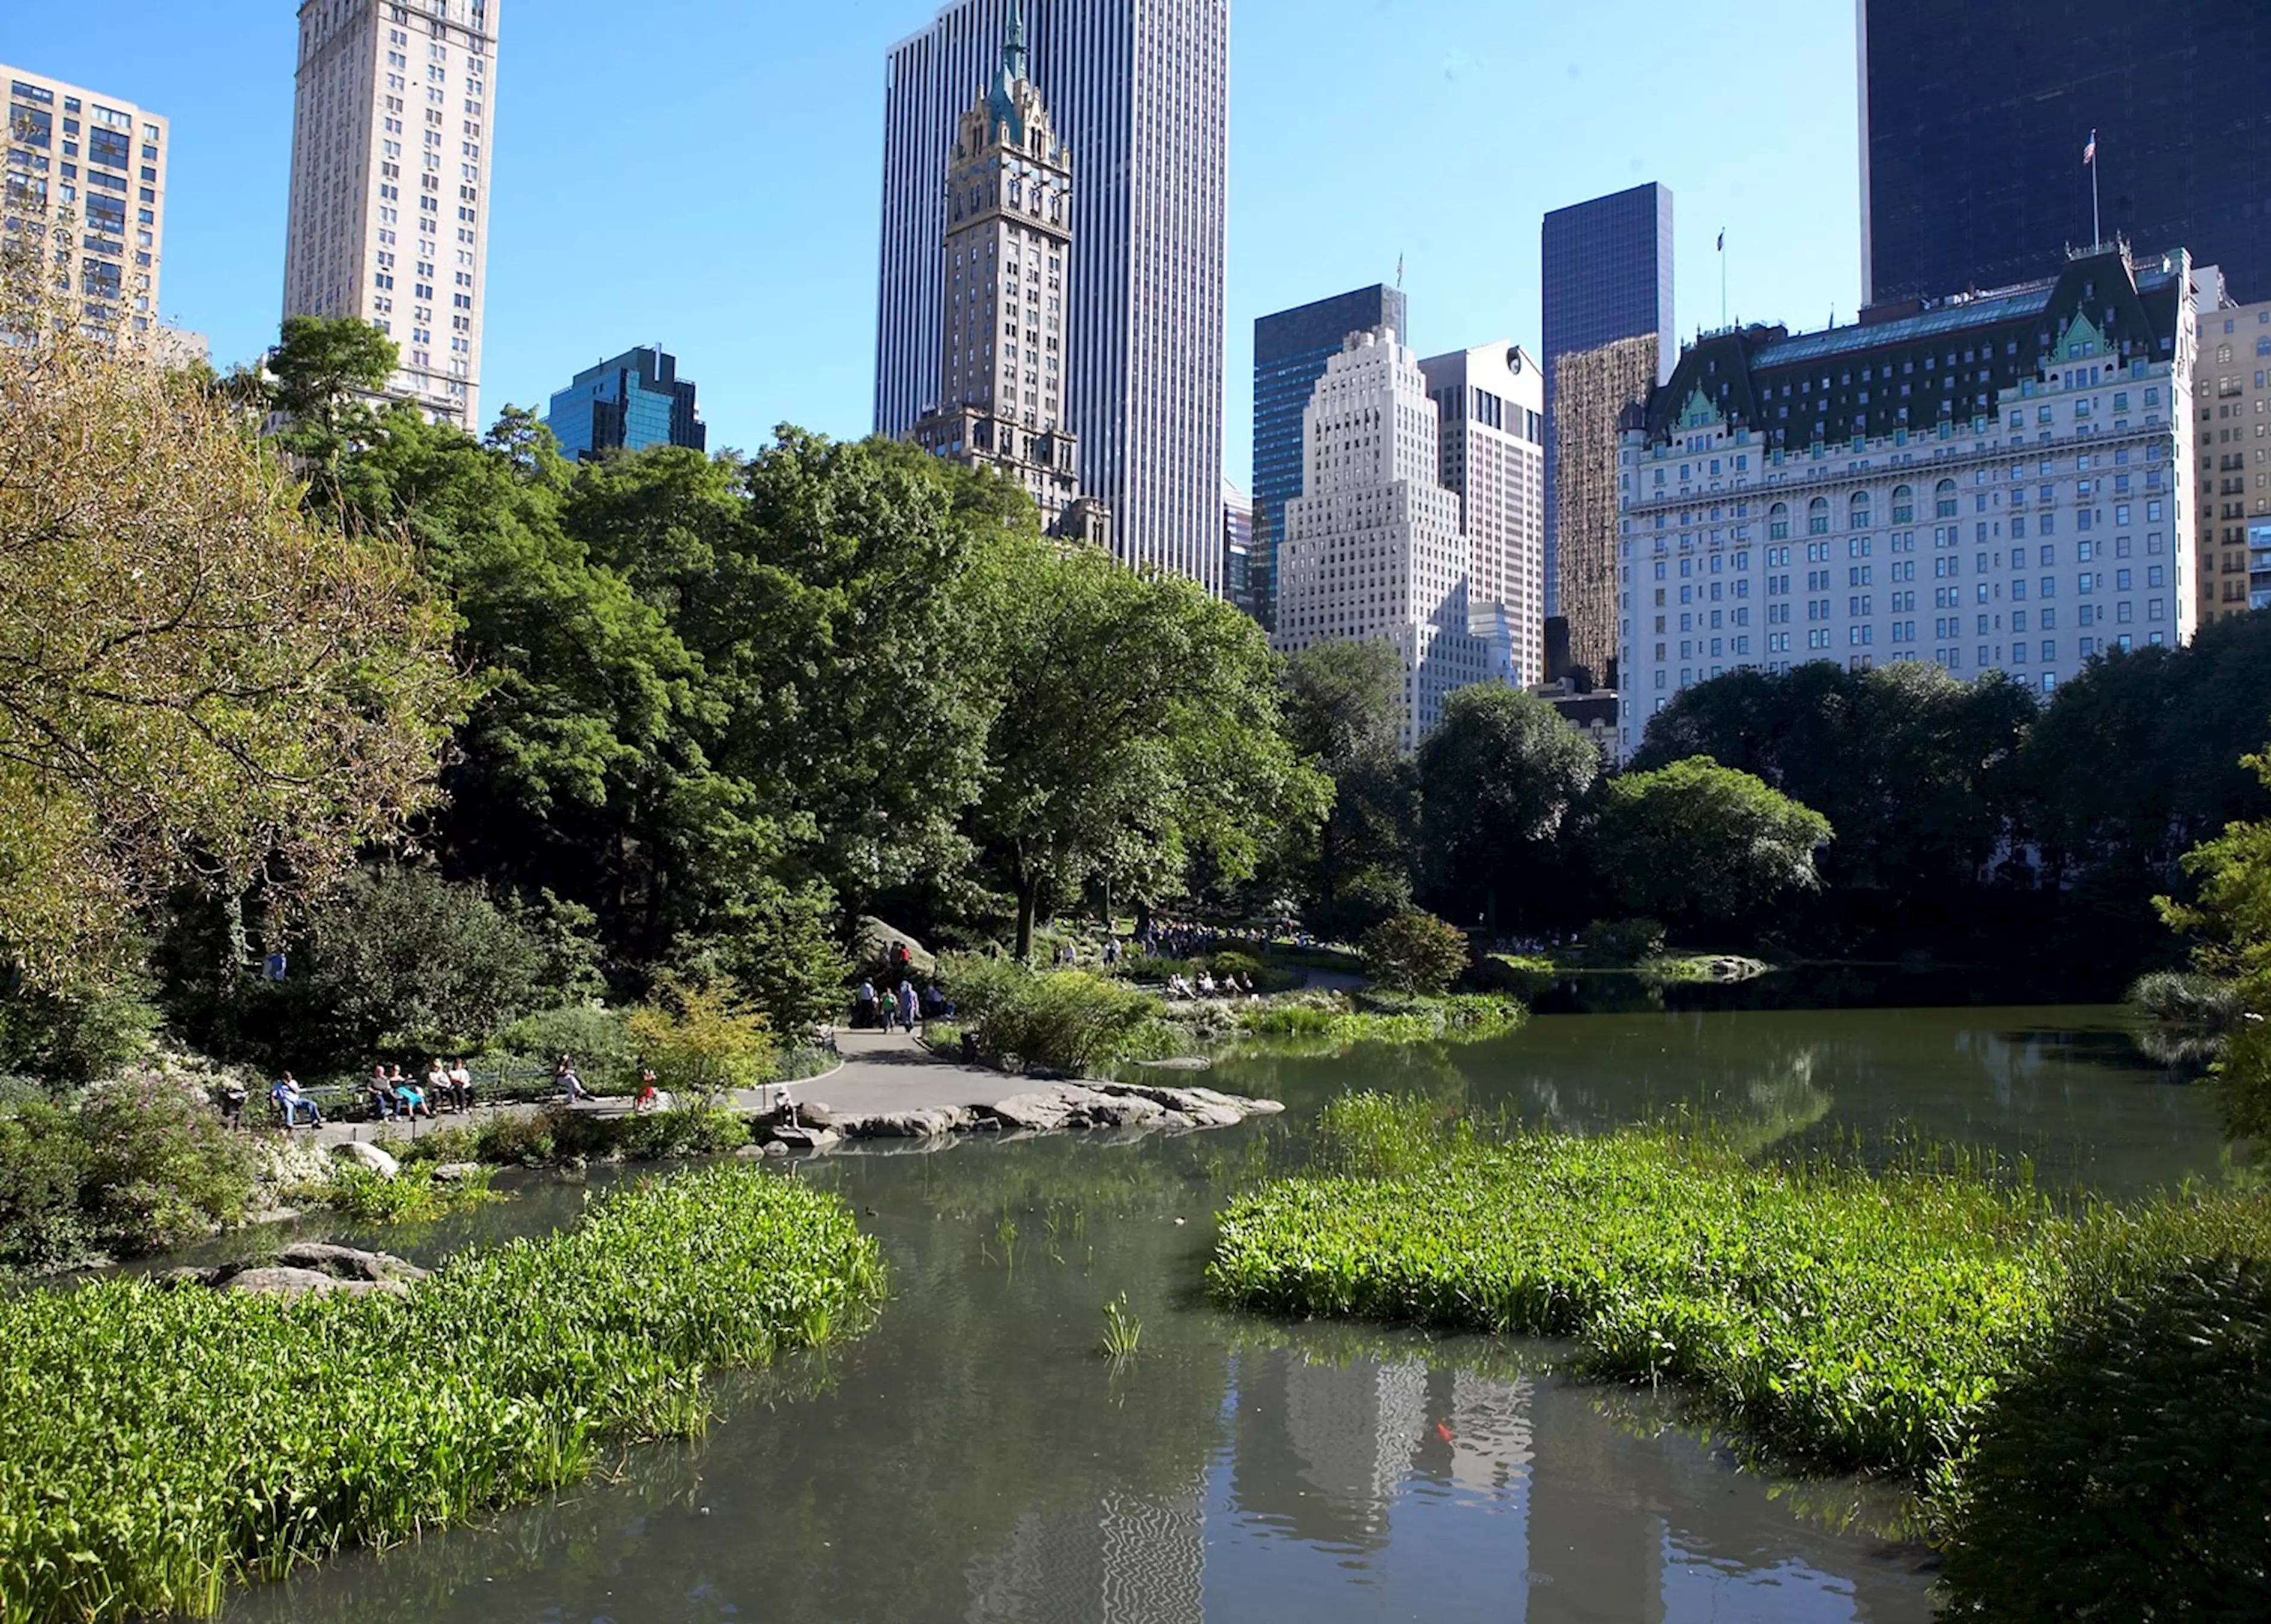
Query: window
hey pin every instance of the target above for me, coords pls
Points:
(1817, 517)
(1943, 499)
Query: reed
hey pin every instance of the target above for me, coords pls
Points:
(1123, 1330)
(158, 1447)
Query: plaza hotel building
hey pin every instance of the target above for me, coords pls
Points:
(1992, 482)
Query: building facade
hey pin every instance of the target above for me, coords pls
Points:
(1594, 390)
(1138, 90)
(1290, 349)
(388, 224)
(1606, 271)
(1238, 551)
(1490, 405)
(1975, 118)
(629, 404)
(1373, 550)
(2231, 481)
(1995, 484)
(85, 190)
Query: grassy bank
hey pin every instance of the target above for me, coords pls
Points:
(1329, 1022)
(158, 1446)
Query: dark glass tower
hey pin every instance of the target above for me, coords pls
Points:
(1290, 352)
(1607, 276)
(633, 402)
(1975, 115)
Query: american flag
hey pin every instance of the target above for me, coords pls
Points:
(2089, 152)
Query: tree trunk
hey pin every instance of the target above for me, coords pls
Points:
(1029, 891)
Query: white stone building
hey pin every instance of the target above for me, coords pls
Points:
(1993, 483)
(1373, 548)
(1492, 405)
(391, 132)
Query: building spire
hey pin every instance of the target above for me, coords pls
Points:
(1013, 48)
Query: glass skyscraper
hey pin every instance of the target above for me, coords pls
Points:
(1290, 352)
(1606, 275)
(635, 401)
(1975, 115)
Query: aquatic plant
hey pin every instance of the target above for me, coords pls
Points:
(158, 1446)
(1123, 1330)
(1328, 1024)
(414, 1195)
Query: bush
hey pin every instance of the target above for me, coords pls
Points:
(1069, 1020)
(43, 1171)
(1415, 952)
(702, 1040)
(1622, 944)
(68, 1039)
(412, 1196)
(2125, 1473)
(597, 1039)
(2195, 1001)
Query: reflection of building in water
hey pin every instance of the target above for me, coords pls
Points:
(1489, 1425)
(1129, 1560)
(1356, 1427)
(1595, 1551)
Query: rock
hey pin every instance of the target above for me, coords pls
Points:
(1186, 1062)
(191, 1277)
(907, 1124)
(873, 942)
(304, 1282)
(1203, 1106)
(456, 1173)
(807, 1138)
(345, 1263)
(776, 1149)
(1041, 1113)
(816, 1114)
(1264, 1107)
(1122, 1110)
(369, 1156)
(753, 1152)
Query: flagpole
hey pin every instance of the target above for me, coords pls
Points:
(1723, 276)
(2097, 216)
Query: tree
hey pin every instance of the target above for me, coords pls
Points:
(1138, 726)
(1352, 868)
(325, 368)
(196, 681)
(2232, 920)
(1704, 845)
(1498, 777)
(1415, 952)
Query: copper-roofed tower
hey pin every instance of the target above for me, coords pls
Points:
(1001, 343)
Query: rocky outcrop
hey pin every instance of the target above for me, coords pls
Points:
(370, 1157)
(307, 1268)
(1084, 1107)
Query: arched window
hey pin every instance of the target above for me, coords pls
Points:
(1943, 499)
(1778, 522)
(1904, 505)
(1817, 517)
(1857, 513)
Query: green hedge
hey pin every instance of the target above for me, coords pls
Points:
(159, 1446)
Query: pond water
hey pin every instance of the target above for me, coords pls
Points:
(975, 1457)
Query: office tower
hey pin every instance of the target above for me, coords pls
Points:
(1594, 390)
(2232, 497)
(1373, 550)
(1237, 550)
(86, 191)
(630, 403)
(1290, 352)
(1976, 115)
(1990, 484)
(1138, 92)
(389, 220)
(1490, 405)
(1606, 270)
(1002, 271)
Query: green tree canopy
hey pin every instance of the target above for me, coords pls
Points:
(1703, 844)
(2231, 923)
(1498, 779)
(1352, 869)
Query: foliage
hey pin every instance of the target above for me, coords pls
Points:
(1415, 952)
(1369, 1134)
(2121, 1473)
(68, 1036)
(412, 1196)
(202, 683)
(1067, 1020)
(702, 1040)
(158, 1446)
(1701, 844)
(1499, 778)
(782, 947)
(323, 367)
(1334, 1023)
(1123, 1329)
(2201, 1001)
(2232, 920)
(44, 1224)
(1620, 944)
(597, 1040)
(1353, 866)
(1856, 1319)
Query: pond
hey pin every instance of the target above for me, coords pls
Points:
(976, 1458)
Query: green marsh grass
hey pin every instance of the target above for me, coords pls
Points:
(156, 1446)
(1123, 1330)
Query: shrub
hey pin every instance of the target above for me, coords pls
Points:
(1415, 952)
(163, 1167)
(1067, 1019)
(211, 1437)
(1621, 944)
(702, 1040)
(597, 1039)
(69, 1038)
(2180, 1000)
(43, 1170)
(412, 1196)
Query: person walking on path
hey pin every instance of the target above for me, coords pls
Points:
(909, 1012)
(864, 1008)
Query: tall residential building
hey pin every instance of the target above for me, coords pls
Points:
(629, 404)
(1138, 90)
(2232, 475)
(1990, 484)
(1373, 550)
(1594, 390)
(1290, 352)
(1490, 405)
(1975, 118)
(1002, 271)
(1238, 551)
(1606, 274)
(86, 189)
(391, 138)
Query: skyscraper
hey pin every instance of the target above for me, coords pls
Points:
(1607, 275)
(1237, 550)
(389, 220)
(1138, 90)
(1491, 409)
(1593, 390)
(1290, 352)
(87, 179)
(635, 401)
(1975, 118)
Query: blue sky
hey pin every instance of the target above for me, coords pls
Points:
(704, 173)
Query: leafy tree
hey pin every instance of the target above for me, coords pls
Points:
(1353, 866)
(70, 1038)
(781, 944)
(2232, 920)
(327, 372)
(1138, 726)
(701, 1038)
(1498, 779)
(198, 683)
(1415, 952)
(1703, 845)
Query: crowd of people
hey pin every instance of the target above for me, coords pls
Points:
(1205, 986)
(904, 1009)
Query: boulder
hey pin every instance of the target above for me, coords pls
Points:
(345, 1263)
(807, 1138)
(907, 1124)
(1203, 1106)
(1183, 1062)
(872, 941)
(456, 1173)
(304, 1283)
(369, 1156)
(818, 1113)
(1041, 1113)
